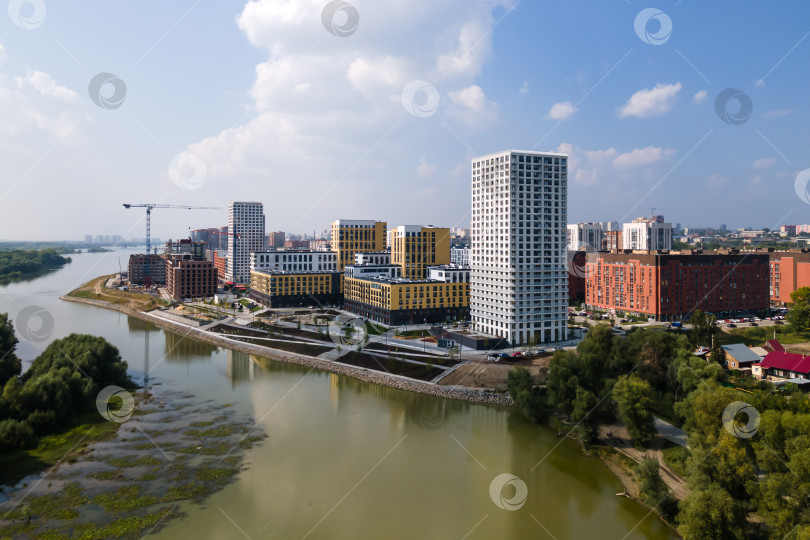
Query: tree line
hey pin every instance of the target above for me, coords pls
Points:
(61, 384)
(19, 264)
(744, 481)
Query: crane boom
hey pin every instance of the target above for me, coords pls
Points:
(149, 207)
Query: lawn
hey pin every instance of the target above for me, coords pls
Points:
(757, 335)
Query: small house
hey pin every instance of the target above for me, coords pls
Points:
(782, 365)
(740, 356)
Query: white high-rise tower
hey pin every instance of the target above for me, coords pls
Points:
(519, 280)
(246, 229)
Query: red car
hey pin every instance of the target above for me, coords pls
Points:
(517, 354)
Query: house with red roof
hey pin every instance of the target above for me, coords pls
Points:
(782, 365)
(773, 345)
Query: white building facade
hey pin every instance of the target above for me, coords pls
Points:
(519, 282)
(584, 235)
(293, 261)
(649, 235)
(246, 226)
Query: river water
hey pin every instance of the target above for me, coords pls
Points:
(347, 459)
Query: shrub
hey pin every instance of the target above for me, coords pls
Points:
(15, 435)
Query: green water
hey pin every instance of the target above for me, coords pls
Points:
(346, 459)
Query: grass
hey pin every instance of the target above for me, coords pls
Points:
(219, 431)
(757, 335)
(675, 457)
(54, 448)
(114, 296)
(125, 499)
(128, 527)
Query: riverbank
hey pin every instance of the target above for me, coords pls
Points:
(371, 376)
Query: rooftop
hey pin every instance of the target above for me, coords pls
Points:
(741, 352)
(786, 361)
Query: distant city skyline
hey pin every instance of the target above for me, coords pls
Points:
(382, 122)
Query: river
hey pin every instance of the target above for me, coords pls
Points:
(347, 459)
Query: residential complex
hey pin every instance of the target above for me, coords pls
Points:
(277, 289)
(246, 236)
(356, 236)
(585, 235)
(643, 234)
(293, 261)
(138, 271)
(460, 255)
(790, 270)
(190, 278)
(415, 248)
(518, 281)
(395, 301)
(672, 285)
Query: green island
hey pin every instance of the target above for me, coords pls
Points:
(18, 264)
(740, 482)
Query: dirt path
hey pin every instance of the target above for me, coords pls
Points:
(616, 436)
(487, 374)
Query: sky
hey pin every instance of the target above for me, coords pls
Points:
(373, 109)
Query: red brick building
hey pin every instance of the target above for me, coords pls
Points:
(220, 258)
(671, 285)
(187, 278)
(790, 270)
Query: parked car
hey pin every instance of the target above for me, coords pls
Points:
(517, 354)
(650, 319)
(492, 356)
(732, 325)
(558, 348)
(625, 320)
(503, 355)
(754, 324)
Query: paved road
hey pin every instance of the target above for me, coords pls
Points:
(670, 432)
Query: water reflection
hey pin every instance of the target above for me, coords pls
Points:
(182, 349)
(239, 367)
(137, 325)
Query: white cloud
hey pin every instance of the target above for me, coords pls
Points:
(656, 101)
(591, 166)
(471, 107)
(34, 103)
(767, 115)
(329, 109)
(700, 97)
(561, 110)
(425, 169)
(642, 156)
(764, 163)
(3, 55)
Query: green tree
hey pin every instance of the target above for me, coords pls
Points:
(562, 382)
(703, 328)
(527, 397)
(584, 413)
(15, 435)
(711, 514)
(10, 365)
(654, 491)
(633, 397)
(799, 314)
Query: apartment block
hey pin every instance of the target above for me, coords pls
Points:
(519, 286)
(647, 234)
(138, 272)
(293, 261)
(277, 289)
(246, 225)
(404, 301)
(790, 270)
(350, 237)
(190, 278)
(415, 248)
(588, 235)
(672, 285)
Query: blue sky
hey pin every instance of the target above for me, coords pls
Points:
(261, 102)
